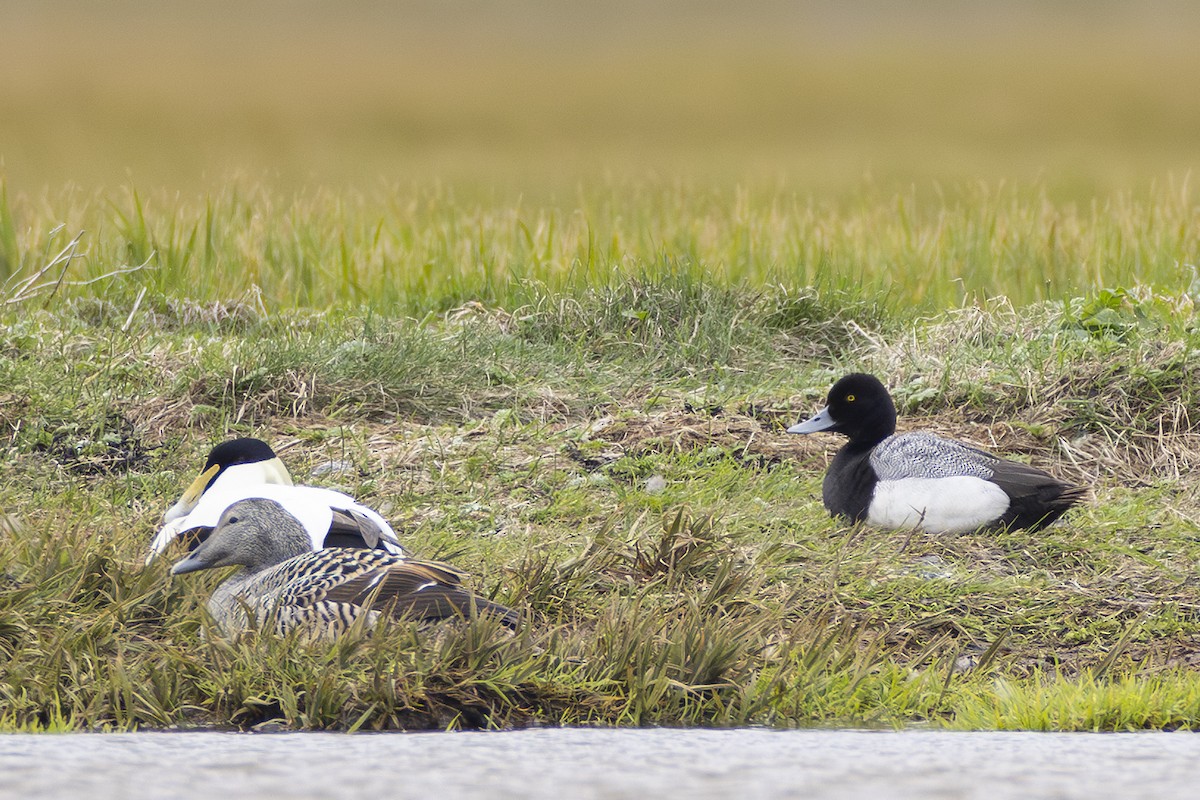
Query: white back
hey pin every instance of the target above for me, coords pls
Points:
(311, 505)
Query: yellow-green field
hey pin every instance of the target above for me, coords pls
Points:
(414, 155)
(537, 96)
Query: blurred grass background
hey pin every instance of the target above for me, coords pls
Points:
(1086, 96)
(474, 120)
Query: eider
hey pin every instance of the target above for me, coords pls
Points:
(244, 461)
(243, 468)
(284, 585)
(920, 480)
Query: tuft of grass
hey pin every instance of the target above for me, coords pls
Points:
(1046, 702)
(639, 503)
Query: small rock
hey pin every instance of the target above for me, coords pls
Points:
(930, 568)
(592, 479)
(655, 484)
(332, 467)
(271, 726)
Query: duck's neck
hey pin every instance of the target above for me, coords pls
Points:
(873, 431)
(849, 482)
(230, 599)
(237, 580)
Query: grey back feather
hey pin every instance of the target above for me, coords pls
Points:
(926, 455)
(347, 521)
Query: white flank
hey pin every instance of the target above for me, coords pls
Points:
(169, 533)
(176, 511)
(309, 504)
(937, 505)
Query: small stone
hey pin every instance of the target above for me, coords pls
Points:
(655, 484)
(331, 467)
(965, 663)
(591, 479)
(271, 726)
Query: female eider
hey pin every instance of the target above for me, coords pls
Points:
(283, 584)
(919, 480)
(242, 468)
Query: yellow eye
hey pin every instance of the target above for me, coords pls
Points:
(849, 398)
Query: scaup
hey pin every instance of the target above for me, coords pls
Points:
(920, 480)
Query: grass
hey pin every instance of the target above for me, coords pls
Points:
(420, 249)
(633, 492)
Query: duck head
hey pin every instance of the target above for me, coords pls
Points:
(858, 406)
(248, 460)
(256, 533)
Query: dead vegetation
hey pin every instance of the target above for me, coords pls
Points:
(663, 535)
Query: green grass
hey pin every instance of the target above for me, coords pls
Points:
(421, 250)
(629, 487)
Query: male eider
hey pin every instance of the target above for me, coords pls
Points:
(920, 480)
(242, 461)
(243, 468)
(283, 584)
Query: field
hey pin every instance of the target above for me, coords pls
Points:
(547, 289)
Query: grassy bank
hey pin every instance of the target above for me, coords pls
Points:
(612, 462)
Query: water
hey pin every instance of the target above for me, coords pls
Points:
(578, 763)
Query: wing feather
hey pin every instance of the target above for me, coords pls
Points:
(925, 455)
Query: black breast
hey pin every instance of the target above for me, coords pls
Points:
(849, 483)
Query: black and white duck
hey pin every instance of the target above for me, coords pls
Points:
(245, 468)
(921, 480)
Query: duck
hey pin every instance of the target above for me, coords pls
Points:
(243, 460)
(921, 480)
(248, 467)
(284, 585)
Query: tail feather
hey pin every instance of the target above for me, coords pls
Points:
(1038, 510)
(443, 602)
(419, 590)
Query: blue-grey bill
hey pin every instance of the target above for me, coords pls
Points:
(189, 564)
(821, 422)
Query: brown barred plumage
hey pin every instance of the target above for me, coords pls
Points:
(284, 585)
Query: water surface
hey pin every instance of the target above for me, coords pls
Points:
(601, 763)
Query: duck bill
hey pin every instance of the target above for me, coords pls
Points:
(821, 422)
(189, 564)
(208, 555)
(191, 495)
